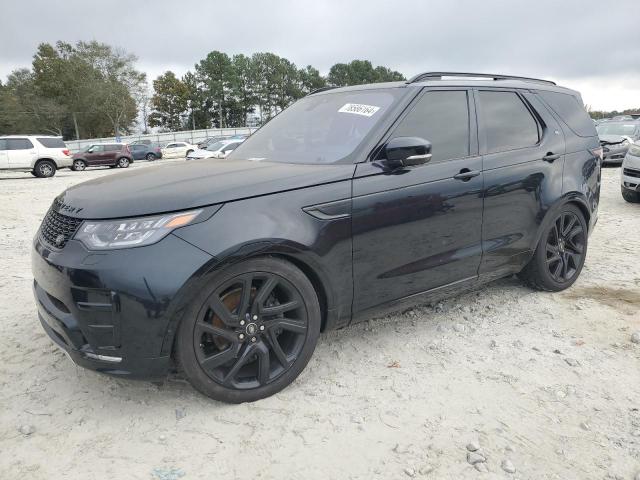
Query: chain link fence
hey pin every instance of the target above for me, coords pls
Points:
(191, 136)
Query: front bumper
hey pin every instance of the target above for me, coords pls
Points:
(630, 173)
(112, 311)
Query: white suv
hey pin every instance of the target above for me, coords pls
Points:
(42, 155)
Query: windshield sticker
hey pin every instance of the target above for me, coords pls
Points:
(359, 109)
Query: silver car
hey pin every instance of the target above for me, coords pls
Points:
(631, 174)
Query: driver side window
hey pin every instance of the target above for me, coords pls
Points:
(442, 118)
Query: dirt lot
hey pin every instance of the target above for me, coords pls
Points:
(544, 384)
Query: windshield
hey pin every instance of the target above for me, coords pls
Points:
(214, 147)
(318, 129)
(625, 129)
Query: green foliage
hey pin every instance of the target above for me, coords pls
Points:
(169, 102)
(360, 71)
(86, 88)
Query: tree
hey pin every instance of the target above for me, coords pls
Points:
(360, 71)
(169, 102)
(215, 73)
(310, 79)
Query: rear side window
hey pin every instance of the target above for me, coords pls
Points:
(3, 144)
(112, 148)
(571, 111)
(19, 144)
(508, 123)
(52, 142)
(441, 117)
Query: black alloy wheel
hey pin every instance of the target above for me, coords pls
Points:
(560, 253)
(565, 247)
(254, 332)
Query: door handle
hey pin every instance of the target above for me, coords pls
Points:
(465, 174)
(550, 157)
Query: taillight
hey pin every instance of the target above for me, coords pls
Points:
(598, 152)
(66, 152)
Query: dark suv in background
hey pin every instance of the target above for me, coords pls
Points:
(103, 154)
(351, 202)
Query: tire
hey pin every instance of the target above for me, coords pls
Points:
(560, 253)
(189, 152)
(123, 162)
(243, 358)
(150, 156)
(79, 165)
(44, 169)
(630, 196)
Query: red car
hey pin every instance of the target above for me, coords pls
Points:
(103, 154)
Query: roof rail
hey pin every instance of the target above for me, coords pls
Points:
(494, 76)
(321, 89)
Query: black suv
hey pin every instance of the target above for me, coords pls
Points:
(351, 202)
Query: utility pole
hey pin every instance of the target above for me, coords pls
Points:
(75, 124)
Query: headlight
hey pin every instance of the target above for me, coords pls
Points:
(131, 232)
(634, 150)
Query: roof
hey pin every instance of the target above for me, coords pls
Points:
(30, 135)
(448, 79)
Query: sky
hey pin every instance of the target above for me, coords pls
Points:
(592, 46)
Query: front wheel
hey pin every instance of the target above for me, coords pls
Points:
(123, 162)
(560, 254)
(630, 196)
(44, 169)
(250, 332)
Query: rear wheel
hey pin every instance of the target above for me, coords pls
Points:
(44, 169)
(630, 196)
(79, 165)
(251, 332)
(151, 157)
(560, 254)
(189, 152)
(123, 162)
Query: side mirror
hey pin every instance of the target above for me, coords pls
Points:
(408, 151)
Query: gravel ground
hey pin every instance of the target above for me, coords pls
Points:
(503, 382)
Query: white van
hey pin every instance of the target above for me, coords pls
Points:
(41, 155)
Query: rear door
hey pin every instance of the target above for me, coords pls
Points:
(419, 228)
(523, 154)
(22, 152)
(4, 156)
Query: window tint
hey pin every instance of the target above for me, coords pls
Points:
(571, 111)
(19, 144)
(442, 117)
(112, 148)
(3, 144)
(507, 122)
(52, 142)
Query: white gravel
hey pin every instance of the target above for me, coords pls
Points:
(396, 397)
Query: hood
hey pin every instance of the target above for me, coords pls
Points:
(182, 186)
(611, 139)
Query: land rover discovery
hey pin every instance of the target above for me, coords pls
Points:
(351, 202)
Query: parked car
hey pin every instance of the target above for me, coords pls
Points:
(631, 174)
(145, 151)
(211, 140)
(220, 149)
(177, 149)
(41, 155)
(103, 154)
(350, 203)
(616, 137)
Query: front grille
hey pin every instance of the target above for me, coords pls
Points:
(631, 172)
(57, 229)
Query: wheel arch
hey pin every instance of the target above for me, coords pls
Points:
(571, 198)
(300, 259)
(45, 159)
